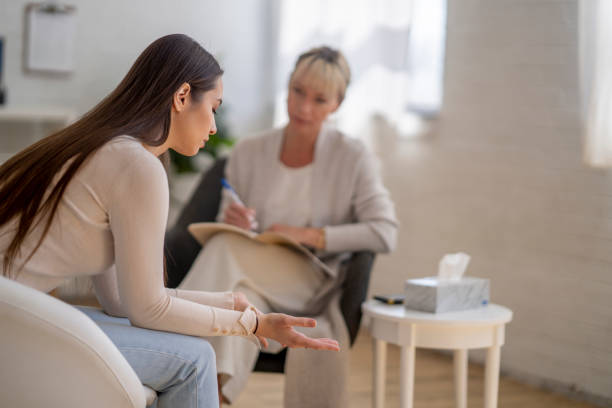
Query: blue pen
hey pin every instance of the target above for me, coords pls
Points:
(232, 192)
(226, 185)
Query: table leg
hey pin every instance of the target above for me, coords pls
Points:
(492, 377)
(380, 365)
(406, 376)
(461, 369)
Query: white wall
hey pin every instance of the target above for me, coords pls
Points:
(502, 179)
(112, 33)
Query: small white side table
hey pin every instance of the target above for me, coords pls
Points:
(458, 331)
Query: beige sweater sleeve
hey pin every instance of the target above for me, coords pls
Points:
(137, 213)
(107, 292)
(375, 224)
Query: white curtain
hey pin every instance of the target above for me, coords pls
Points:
(395, 49)
(595, 53)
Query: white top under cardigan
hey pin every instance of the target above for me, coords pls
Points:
(110, 224)
(289, 202)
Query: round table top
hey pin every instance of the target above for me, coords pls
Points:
(490, 314)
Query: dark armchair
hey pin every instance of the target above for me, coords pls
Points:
(182, 249)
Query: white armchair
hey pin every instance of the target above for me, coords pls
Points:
(53, 355)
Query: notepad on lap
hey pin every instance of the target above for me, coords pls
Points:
(203, 231)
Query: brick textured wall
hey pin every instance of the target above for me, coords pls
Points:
(501, 177)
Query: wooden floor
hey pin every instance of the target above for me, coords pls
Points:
(433, 384)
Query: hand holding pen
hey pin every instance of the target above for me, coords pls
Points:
(238, 213)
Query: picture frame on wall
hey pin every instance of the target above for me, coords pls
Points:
(50, 38)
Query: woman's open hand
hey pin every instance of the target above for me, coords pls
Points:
(279, 326)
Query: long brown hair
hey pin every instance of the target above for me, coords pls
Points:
(140, 106)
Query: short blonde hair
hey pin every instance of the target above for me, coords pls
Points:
(324, 67)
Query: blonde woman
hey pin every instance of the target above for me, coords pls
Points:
(320, 187)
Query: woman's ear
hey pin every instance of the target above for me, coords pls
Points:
(181, 97)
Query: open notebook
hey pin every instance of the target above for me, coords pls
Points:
(203, 231)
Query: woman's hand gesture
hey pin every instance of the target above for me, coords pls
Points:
(279, 326)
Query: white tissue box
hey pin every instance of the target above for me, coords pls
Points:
(440, 295)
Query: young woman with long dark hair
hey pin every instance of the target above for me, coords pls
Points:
(92, 199)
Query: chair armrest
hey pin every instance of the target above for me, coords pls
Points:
(53, 355)
(181, 251)
(355, 289)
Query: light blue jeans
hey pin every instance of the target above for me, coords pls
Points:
(182, 369)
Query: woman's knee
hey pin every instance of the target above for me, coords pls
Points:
(206, 358)
(206, 365)
(207, 350)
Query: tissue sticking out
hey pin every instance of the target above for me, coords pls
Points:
(453, 266)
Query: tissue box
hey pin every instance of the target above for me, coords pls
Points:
(437, 296)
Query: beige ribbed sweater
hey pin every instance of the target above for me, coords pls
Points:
(110, 224)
